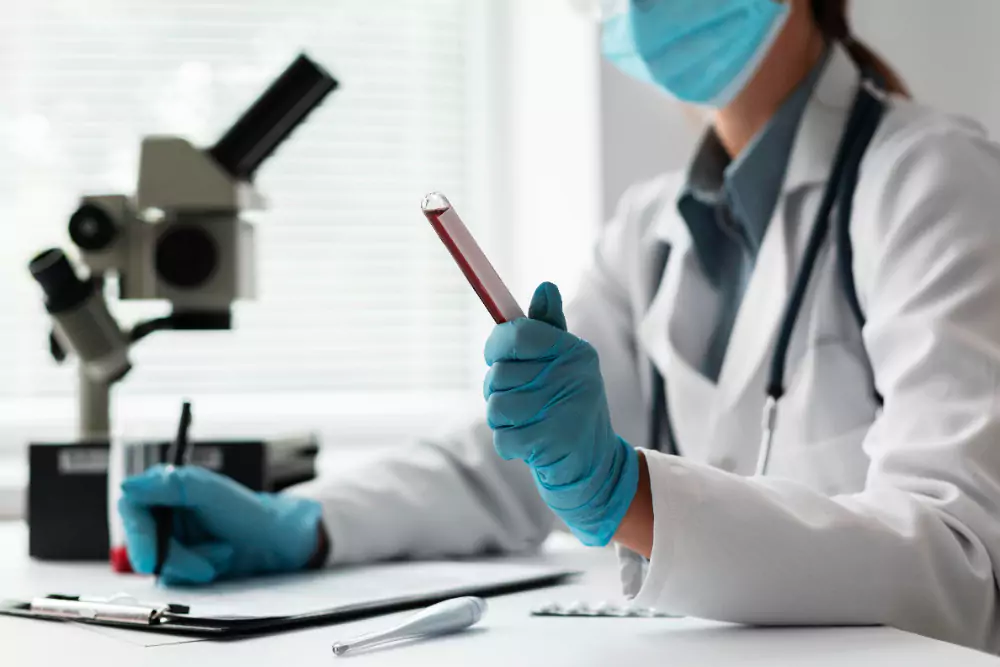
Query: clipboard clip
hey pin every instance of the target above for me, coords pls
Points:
(122, 609)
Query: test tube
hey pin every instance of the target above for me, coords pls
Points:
(470, 258)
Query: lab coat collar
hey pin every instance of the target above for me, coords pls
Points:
(756, 325)
(823, 122)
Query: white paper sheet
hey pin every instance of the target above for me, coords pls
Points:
(316, 591)
(137, 637)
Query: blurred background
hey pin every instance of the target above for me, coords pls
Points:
(364, 330)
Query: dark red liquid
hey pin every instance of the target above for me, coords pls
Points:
(434, 217)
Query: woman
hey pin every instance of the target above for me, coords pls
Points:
(881, 497)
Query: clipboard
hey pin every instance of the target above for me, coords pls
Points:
(181, 619)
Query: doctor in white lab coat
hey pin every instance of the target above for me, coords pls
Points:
(868, 513)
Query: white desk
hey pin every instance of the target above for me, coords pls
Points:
(507, 636)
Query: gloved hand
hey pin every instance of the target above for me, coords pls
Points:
(546, 405)
(222, 530)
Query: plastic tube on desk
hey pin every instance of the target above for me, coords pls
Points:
(470, 259)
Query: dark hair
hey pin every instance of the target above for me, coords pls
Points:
(831, 16)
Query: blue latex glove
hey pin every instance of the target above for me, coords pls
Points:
(222, 530)
(546, 406)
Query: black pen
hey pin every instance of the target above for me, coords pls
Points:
(177, 456)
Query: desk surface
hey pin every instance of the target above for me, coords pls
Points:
(507, 635)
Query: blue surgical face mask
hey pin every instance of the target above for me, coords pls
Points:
(700, 51)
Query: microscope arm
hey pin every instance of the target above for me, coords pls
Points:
(94, 396)
(183, 321)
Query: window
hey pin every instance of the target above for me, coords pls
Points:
(357, 296)
(363, 329)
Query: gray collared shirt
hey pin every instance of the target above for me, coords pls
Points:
(728, 204)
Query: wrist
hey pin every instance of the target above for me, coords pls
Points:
(297, 533)
(322, 552)
(624, 492)
(595, 521)
(636, 528)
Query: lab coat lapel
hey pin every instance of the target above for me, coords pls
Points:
(665, 332)
(811, 161)
(660, 301)
(672, 313)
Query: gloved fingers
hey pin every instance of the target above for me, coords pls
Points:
(577, 366)
(195, 565)
(510, 444)
(140, 535)
(537, 446)
(139, 523)
(546, 306)
(572, 375)
(506, 375)
(189, 527)
(498, 413)
(219, 506)
(524, 406)
(160, 485)
(192, 487)
(527, 340)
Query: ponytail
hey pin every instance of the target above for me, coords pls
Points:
(831, 17)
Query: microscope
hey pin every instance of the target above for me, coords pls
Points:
(180, 238)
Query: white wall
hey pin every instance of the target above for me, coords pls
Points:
(644, 133)
(946, 51)
(553, 155)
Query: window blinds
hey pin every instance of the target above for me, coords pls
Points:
(356, 293)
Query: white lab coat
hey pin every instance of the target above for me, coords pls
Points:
(867, 516)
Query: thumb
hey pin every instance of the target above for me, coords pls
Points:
(546, 306)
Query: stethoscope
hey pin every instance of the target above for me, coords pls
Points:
(864, 120)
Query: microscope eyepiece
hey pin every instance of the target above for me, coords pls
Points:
(80, 316)
(265, 125)
(64, 290)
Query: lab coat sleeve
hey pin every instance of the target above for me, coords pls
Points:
(918, 548)
(454, 496)
(448, 496)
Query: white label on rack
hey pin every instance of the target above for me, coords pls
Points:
(83, 461)
(207, 457)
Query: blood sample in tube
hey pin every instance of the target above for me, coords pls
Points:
(470, 259)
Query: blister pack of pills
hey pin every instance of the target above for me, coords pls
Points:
(598, 610)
